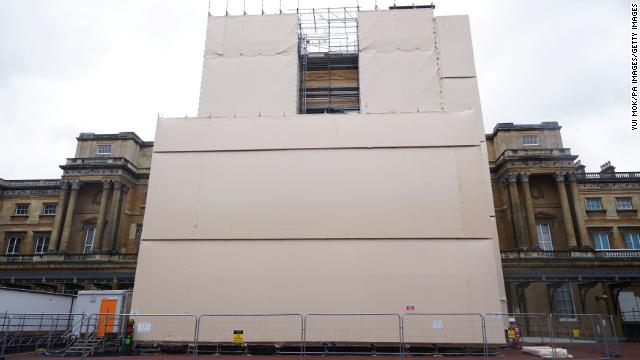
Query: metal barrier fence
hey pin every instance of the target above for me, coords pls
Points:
(585, 336)
(223, 334)
(353, 334)
(51, 332)
(444, 334)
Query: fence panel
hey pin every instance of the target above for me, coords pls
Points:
(443, 333)
(353, 334)
(20, 332)
(584, 336)
(248, 333)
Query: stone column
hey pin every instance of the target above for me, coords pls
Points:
(26, 244)
(515, 211)
(566, 212)
(125, 238)
(617, 239)
(530, 214)
(102, 215)
(68, 219)
(114, 212)
(57, 221)
(578, 209)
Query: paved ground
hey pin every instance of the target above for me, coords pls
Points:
(628, 350)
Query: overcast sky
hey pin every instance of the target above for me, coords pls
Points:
(108, 66)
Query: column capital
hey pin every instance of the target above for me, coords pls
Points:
(75, 184)
(572, 177)
(559, 176)
(117, 185)
(524, 176)
(106, 184)
(512, 177)
(125, 188)
(65, 185)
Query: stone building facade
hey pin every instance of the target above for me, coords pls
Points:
(569, 239)
(81, 231)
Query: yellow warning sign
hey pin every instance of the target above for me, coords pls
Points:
(576, 332)
(238, 336)
(511, 333)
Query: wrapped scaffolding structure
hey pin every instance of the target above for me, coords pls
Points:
(328, 60)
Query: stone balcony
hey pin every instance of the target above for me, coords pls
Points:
(616, 257)
(105, 162)
(534, 153)
(28, 260)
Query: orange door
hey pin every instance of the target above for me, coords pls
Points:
(107, 316)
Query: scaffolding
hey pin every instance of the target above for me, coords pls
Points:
(328, 60)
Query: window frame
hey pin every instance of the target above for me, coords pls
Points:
(26, 211)
(44, 248)
(99, 146)
(86, 244)
(618, 199)
(566, 291)
(44, 209)
(539, 232)
(586, 204)
(15, 247)
(595, 240)
(629, 237)
(530, 136)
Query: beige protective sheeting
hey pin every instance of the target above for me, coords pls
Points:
(320, 131)
(233, 36)
(455, 47)
(392, 31)
(319, 276)
(308, 194)
(250, 66)
(397, 62)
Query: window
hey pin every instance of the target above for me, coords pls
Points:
(49, 209)
(13, 245)
(563, 301)
(88, 240)
(632, 239)
(544, 237)
(103, 149)
(528, 140)
(594, 204)
(42, 244)
(22, 209)
(624, 204)
(601, 240)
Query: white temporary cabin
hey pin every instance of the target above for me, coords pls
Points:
(31, 310)
(92, 303)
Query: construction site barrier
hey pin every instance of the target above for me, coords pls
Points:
(445, 334)
(48, 331)
(361, 334)
(584, 336)
(250, 334)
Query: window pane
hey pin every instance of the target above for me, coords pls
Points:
(13, 246)
(601, 241)
(88, 240)
(624, 204)
(22, 209)
(104, 149)
(49, 209)
(530, 140)
(544, 237)
(563, 300)
(632, 240)
(594, 204)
